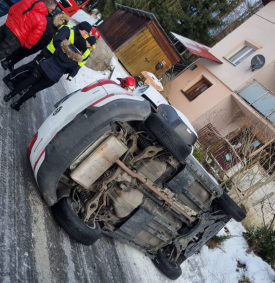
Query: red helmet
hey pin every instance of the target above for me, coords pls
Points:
(97, 35)
(127, 83)
(130, 82)
(93, 30)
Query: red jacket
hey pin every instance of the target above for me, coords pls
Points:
(29, 27)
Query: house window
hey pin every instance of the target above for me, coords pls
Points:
(196, 89)
(261, 99)
(242, 53)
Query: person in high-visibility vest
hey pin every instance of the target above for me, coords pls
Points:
(64, 61)
(66, 32)
(90, 42)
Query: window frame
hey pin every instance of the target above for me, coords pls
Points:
(238, 49)
(195, 85)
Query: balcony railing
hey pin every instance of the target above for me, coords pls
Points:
(261, 99)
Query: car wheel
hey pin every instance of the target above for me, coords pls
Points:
(73, 225)
(168, 137)
(170, 270)
(230, 207)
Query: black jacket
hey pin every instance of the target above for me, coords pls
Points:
(51, 29)
(64, 61)
(64, 33)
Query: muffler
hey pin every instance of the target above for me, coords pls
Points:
(98, 162)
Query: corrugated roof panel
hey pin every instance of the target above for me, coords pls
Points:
(196, 48)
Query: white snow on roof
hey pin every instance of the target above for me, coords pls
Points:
(189, 43)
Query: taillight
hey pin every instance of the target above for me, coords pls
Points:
(100, 82)
(90, 86)
(106, 82)
(31, 145)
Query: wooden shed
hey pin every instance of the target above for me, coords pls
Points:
(139, 41)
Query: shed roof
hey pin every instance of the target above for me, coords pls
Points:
(196, 48)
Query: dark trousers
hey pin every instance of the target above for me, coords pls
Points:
(23, 72)
(22, 52)
(8, 42)
(37, 81)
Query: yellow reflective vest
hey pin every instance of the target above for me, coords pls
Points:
(85, 55)
(51, 47)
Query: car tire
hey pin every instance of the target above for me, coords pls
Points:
(168, 137)
(168, 269)
(230, 207)
(72, 224)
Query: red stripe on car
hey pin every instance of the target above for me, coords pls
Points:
(89, 87)
(98, 83)
(103, 98)
(106, 82)
(41, 154)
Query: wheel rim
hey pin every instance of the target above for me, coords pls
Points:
(92, 225)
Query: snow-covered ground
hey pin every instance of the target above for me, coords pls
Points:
(84, 77)
(209, 266)
(117, 70)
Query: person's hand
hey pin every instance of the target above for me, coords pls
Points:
(69, 78)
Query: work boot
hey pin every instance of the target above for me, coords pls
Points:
(4, 63)
(15, 106)
(8, 83)
(9, 96)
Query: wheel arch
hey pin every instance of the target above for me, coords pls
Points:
(78, 136)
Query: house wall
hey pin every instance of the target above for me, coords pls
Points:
(223, 116)
(259, 204)
(203, 103)
(259, 31)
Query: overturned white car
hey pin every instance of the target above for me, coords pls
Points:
(119, 163)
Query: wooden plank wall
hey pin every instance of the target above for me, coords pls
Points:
(142, 54)
(120, 27)
(163, 42)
